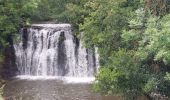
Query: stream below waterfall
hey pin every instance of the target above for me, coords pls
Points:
(53, 89)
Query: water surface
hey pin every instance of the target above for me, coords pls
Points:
(53, 89)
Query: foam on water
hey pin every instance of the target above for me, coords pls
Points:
(52, 25)
(79, 79)
(64, 79)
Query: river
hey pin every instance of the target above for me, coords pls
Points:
(17, 89)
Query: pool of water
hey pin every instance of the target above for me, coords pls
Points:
(53, 89)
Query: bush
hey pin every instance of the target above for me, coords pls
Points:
(122, 76)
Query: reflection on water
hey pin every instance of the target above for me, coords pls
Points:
(50, 90)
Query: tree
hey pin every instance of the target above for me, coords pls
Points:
(147, 36)
(122, 76)
(13, 16)
(151, 42)
(103, 26)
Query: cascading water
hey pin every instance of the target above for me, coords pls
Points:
(53, 50)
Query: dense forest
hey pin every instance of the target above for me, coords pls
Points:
(132, 37)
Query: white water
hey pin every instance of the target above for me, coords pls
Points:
(51, 50)
(64, 79)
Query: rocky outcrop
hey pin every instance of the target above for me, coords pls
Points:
(8, 68)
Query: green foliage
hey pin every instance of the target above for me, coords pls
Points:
(150, 85)
(151, 44)
(167, 77)
(100, 27)
(1, 92)
(48, 10)
(103, 25)
(154, 39)
(13, 15)
(123, 75)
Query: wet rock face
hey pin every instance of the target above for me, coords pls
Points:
(53, 50)
(9, 68)
(158, 96)
(62, 57)
(24, 38)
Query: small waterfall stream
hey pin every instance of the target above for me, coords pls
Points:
(53, 50)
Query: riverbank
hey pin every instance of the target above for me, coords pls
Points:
(2, 82)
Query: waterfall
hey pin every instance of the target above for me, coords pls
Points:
(53, 50)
